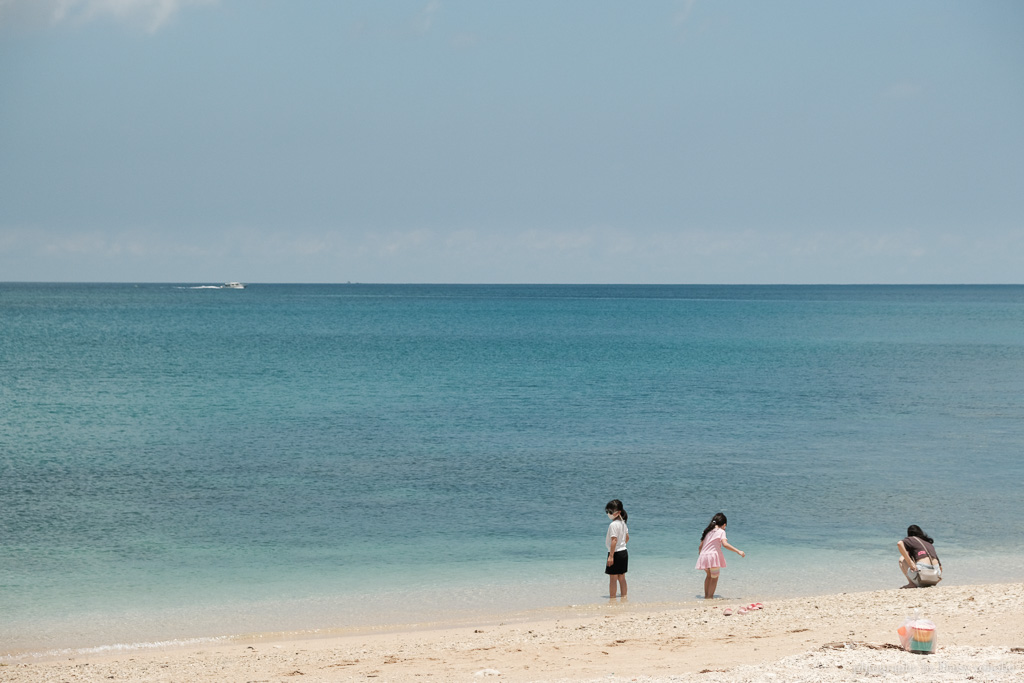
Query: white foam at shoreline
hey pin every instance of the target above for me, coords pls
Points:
(114, 648)
(418, 608)
(426, 598)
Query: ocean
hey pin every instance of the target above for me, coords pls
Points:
(181, 462)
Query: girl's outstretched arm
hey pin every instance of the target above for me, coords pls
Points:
(725, 544)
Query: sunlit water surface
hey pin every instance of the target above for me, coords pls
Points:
(180, 462)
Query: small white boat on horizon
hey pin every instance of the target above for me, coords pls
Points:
(232, 285)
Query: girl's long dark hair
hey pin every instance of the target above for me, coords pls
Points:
(915, 531)
(616, 506)
(718, 520)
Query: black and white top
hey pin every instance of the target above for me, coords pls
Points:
(619, 530)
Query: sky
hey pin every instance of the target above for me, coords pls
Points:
(471, 141)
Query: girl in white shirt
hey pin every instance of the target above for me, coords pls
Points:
(615, 540)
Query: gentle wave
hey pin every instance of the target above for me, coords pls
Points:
(324, 446)
(116, 647)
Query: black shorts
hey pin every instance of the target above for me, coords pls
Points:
(620, 563)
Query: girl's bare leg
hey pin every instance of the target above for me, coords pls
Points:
(710, 583)
(622, 585)
(904, 567)
(611, 585)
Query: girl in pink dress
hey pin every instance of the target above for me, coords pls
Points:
(711, 559)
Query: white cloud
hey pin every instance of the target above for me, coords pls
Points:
(95, 244)
(150, 15)
(683, 14)
(425, 19)
(411, 241)
(566, 241)
(600, 254)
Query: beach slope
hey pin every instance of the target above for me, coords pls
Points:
(825, 638)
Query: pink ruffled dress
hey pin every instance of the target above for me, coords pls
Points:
(711, 554)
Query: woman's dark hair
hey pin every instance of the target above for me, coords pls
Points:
(915, 531)
(718, 520)
(616, 506)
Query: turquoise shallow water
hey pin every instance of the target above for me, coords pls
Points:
(181, 462)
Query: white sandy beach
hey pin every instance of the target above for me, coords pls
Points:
(826, 638)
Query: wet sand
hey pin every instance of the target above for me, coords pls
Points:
(839, 637)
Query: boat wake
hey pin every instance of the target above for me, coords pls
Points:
(226, 285)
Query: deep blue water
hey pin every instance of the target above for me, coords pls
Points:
(271, 454)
